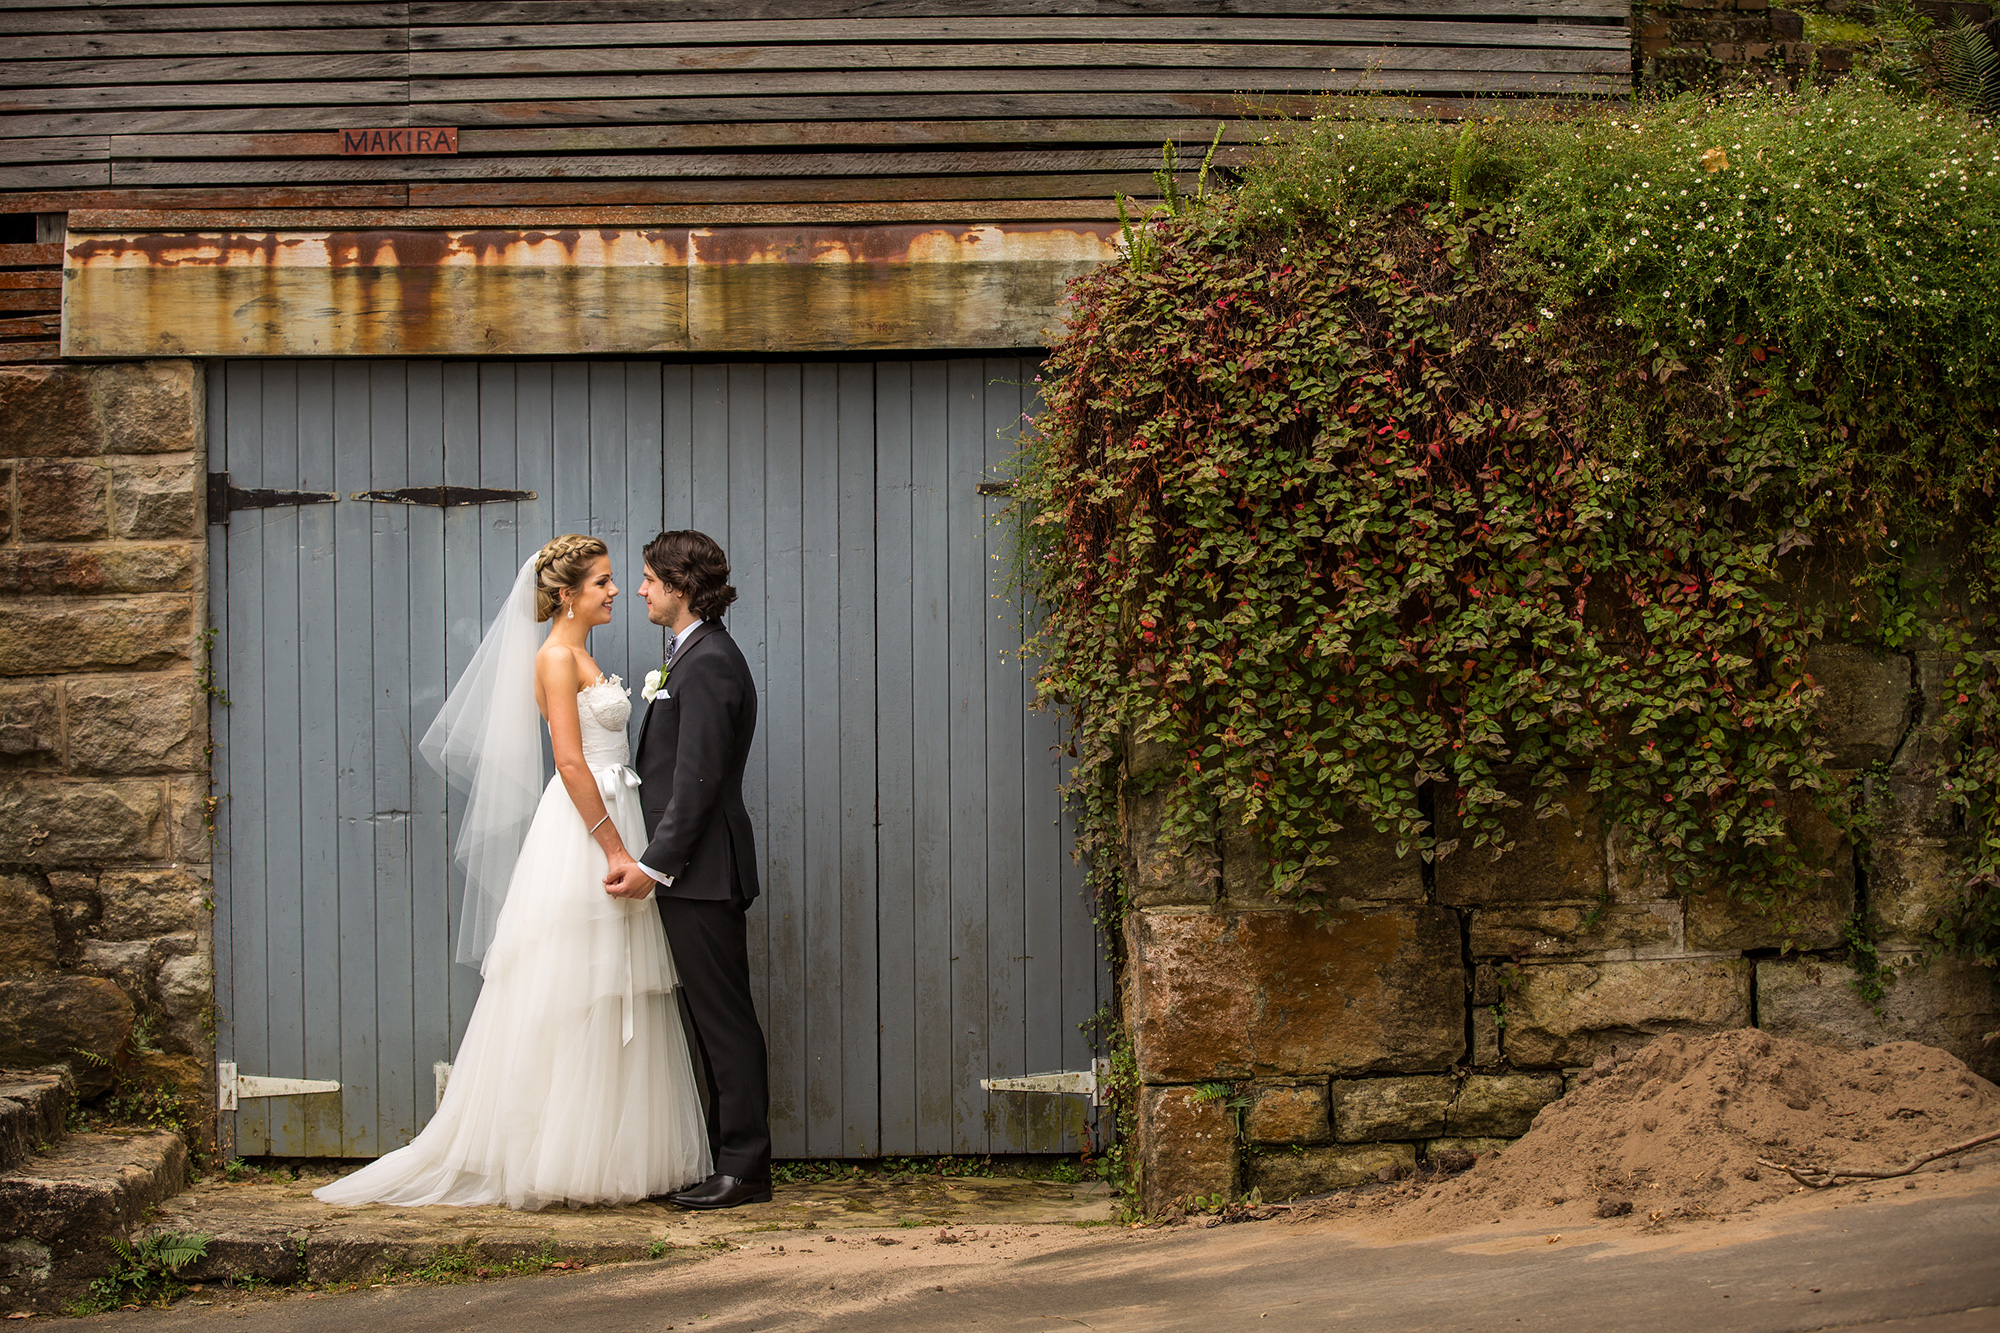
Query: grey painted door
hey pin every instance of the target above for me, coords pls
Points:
(923, 925)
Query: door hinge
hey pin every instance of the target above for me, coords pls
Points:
(443, 497)
(225, 499)
(1068, 1082)
(231, 1086)
(441, 1075)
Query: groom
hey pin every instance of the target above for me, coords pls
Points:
(691, 751)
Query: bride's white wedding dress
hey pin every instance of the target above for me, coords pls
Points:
(573, 1083)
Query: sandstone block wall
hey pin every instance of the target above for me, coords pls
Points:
(106, 958)
(1442, 1006)
(1694, 43)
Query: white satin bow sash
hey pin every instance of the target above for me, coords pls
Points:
(611, 777)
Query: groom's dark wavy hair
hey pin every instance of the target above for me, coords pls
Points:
(694, 566)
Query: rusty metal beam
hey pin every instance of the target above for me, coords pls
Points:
(402, 291)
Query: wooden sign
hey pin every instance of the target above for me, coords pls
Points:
(396, 143)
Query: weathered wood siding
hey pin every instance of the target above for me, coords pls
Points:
(30, 301)
(1040, 106)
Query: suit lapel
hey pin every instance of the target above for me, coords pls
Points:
(702, 631)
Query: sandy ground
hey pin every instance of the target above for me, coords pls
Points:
(1926, 1248)
(261, 1226)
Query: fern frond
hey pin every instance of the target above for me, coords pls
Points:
(1201, 181)
(1970, 66)
(177, 1249)
(1458, 186)
(1164, 178)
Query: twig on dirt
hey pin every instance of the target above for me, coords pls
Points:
(1819, 1178)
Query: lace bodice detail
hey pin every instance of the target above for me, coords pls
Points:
(604, 709)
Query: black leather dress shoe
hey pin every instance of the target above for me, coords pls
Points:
(720, 1191)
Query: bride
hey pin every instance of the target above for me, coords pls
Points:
(573, 1083)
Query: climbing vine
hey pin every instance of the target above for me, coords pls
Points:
(1433, 471)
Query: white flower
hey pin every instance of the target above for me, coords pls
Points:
(654, 680)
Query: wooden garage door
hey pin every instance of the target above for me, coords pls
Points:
(923, 925)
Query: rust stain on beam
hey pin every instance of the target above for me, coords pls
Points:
(569, 290)
(798, 289)
(376, 293)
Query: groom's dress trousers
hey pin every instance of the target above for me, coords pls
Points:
(692, 748)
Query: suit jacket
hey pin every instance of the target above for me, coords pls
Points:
(690, 756)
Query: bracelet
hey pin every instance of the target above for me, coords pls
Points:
(600, 823)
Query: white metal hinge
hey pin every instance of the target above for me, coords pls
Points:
(441, 1073)
(1068, 1082)
(231, 1086)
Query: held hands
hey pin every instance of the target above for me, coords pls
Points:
(625, 879)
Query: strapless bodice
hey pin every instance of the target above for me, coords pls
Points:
(603, 710)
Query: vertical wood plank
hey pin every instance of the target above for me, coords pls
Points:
(713, 388)
(472, 600)
(389, 452)
(280, 616)
(858, 873)
(819, 627)
(534, 457)
(445, 426)
(1006, 888)
(939, 1028)
(968, 616)
(569, 480)
(896, 880)
(732, 493)
(677, 415)
(354, 707)
(243, 420)
(775, 427)
(643, 507)
(319, 757)
(607, 499)
(423, 695)
(535, 451)
(223, 867)
(816, 640)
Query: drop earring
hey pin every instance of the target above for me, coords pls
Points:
(570, 614)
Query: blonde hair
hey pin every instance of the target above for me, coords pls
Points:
(561, 564)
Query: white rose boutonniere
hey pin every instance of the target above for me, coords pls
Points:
(656, 684)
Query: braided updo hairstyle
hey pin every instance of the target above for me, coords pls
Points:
(561, 564)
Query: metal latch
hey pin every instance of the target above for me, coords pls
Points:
(443, 497)
(231, 1086)
(1068, 1082)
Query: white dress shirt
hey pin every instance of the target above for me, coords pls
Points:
(679, 640)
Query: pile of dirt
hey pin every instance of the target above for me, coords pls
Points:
(1675, 1130)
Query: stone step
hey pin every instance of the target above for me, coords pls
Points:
(33, 1110)
(60, 1209)
(271, 1229)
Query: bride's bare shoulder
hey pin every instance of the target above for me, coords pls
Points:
(556, 664)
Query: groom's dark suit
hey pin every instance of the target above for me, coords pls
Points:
(691, 751)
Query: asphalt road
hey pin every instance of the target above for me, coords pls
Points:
(1930, 1265)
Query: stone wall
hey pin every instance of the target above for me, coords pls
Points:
(1698, 43)
(1442, 1006)
(106, 961)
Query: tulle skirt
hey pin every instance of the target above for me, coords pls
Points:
(573, 1083)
